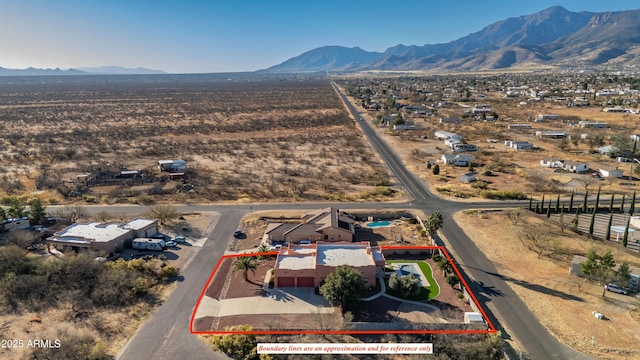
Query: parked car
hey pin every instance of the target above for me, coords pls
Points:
(616, 289)
(304, 242)
(237, 233)
(171, 244)
(179, 239)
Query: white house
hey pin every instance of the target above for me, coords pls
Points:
(518, 126)
(464, 147)
(457, 159)
(552, 163)
(551, 134)
(576, 166)
(451, 142)
(610, 172)
(441, 134)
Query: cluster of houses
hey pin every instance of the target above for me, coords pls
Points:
(455, 141)
(567, 165)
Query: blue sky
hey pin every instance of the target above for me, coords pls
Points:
(187, 36)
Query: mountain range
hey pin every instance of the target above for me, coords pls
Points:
(102, 70)
(549, 38)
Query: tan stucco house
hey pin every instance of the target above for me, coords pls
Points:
(308, 266)
(328, 224)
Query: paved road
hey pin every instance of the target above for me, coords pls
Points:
(166, 335)
(515, 318)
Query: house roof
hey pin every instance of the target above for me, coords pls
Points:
(328, 254)
(90, 232)
(138, 224)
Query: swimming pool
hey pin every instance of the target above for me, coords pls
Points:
(380, 223)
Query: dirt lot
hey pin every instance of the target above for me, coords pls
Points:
(563, 303)
(257, 140)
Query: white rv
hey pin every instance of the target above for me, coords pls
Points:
(148, 244)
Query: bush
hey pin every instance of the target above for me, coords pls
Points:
(436, 169)
(503, 194)
(169, 271)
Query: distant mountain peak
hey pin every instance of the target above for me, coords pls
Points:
(549, 37)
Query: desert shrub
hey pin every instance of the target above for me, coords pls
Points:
(89, 198)
(503, 194)
(168, 272)
(483, 185)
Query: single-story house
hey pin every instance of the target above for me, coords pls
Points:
(451, 142)
(521, 145)
(457, 159)
(102, 237)
(449, 120)
(328, 224)
(610, 172)
(468, 177)
(634, 278)
(592, 124)
(172, 165)
(576, 166)
(308, 266)
(464, 147)
(551, 134)
(606, 150)
(518, 126)
(548, 116)
(443, 135)
(552, 163)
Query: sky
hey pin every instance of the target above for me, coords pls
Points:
(189, 36)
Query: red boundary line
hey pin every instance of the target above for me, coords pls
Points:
(491, 330)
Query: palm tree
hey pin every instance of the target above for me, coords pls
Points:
(434, 222)
(244, 264)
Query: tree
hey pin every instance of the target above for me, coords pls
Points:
(571, 201)
(625, 238)
(245, 264)
(343, 287)
(632, 208)
(607, 262)
(564, 144)
(537, 239)
(453, 280)
(516, 216)
(590, 266)
(104, 216)
(38, 211)
(406, 285)
(593, 220)
(16, 208)
(436, 169)
(434, 223)
(390, 103)
(163, 213)
(73, 213)
(470, 167)
(558, 204)
(585, 203)
(622, 203)
(542, 203)
(611, 203)
(623, 274)
(597, 206)
(608, 231)
(238, 346)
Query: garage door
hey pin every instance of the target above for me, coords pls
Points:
(286, 282)
(305, 282)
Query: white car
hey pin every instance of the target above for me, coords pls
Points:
(616, 289)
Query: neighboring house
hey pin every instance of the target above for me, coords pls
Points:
(543, 117)
(551, 134)
(552, 163)
(610, 172)
(172, 165)
(464, 147)
(328, 224)
(457, 159)
(449, 121)
(451, 142)
(634, 278)
(308, 266)
(519, 126)
(443, 135)
(593, 124)
(102, 237)
(615, 109)
(481, 109)
(576, 166)
(606, 150)
(407, 126)
(468, 177)
(521, 145)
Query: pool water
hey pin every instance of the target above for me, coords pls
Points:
(375, 224)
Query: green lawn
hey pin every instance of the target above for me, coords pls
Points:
(426, 292)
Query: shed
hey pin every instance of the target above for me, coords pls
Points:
(610, 172)
(468, 177)
(473, 318)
